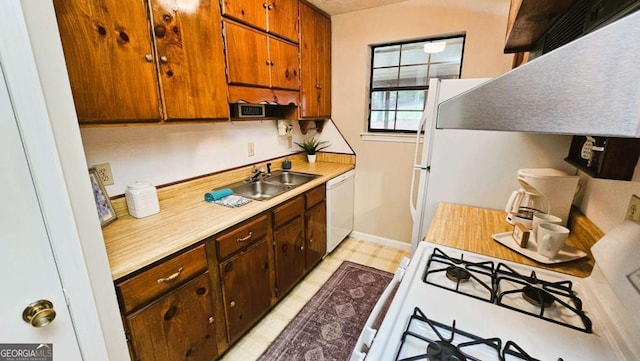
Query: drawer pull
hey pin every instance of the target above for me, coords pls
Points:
(246, 238)
(172, 277)
(232, 304)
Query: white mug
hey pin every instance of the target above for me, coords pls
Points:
(551, 238)
(539, 218)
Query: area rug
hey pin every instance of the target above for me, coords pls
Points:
(328, 326)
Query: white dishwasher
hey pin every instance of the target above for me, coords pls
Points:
(339, 208)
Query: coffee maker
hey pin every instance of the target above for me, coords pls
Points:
(545, 190)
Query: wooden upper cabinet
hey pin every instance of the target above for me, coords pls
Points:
(255, 58)
(125, 67)
(247, 55)
(278, 17)
(283, 18)
(529, 20)
(109, 57)
(315, 55)
(284, 64)
(247, 11)
(190, 59)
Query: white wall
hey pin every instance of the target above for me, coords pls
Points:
(605, 201)
(384, 168)
(161, 154)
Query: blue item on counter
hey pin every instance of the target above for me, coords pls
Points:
(217, 194)
(286, 164)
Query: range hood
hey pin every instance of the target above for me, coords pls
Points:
(590, 86)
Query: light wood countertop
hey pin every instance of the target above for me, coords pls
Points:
(470, 229)
(185, 218)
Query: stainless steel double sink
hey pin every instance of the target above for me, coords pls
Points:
(271, 185)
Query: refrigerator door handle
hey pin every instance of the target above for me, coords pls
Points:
(412, 207)
(419, 135)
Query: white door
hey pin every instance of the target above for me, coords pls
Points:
(28, 271)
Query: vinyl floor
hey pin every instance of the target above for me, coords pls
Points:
(253, 344)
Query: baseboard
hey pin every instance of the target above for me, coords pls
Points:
(381, 241)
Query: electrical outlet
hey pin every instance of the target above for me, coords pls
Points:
(289, 141)
(633, 210)
(103, 171)
(250, 150)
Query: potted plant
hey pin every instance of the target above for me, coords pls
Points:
(312, 146)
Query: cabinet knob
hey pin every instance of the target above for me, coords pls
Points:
(211, 320)
(163, 59)
(302, 248)
(311, 240)
(232, 304)
(272, 63)
(270, 7)
(265, 5)
(268, 62)
(318, 86)
(148, 57)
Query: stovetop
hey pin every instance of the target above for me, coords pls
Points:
(571, 325)
(552, 298)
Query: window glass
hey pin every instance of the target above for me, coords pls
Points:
(383, 100)
(386, 56)
(400, 74)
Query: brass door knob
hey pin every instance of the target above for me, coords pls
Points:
(39, 313)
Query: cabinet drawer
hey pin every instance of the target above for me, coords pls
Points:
(288, 211)
(315, 195)
(241, 236)
(165, 276)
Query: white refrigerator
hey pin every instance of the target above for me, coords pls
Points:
(472, 167)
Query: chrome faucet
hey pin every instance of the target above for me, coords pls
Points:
(257, 173)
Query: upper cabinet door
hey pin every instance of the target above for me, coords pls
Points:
(283, 18)
(247, 57)
(315, 54)
(323, 38)
(190, 58)
(248, 11)
(284, 64)
(109, 58)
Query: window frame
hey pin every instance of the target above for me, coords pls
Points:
(399, 88)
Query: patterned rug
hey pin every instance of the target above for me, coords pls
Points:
(328, 326)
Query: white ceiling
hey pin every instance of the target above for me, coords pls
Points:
(334, 7)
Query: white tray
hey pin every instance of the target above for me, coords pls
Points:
(566, 254)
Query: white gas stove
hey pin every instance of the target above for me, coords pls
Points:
(458, 305)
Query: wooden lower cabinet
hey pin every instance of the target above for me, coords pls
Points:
(246, 289)
(316, 234)
(177, 326)
(289, 253)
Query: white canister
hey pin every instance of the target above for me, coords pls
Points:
(142, 199)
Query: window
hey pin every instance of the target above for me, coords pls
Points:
(400, 74)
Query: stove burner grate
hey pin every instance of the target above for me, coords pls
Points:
(541, 294)
(457, 345)
(460, 272)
